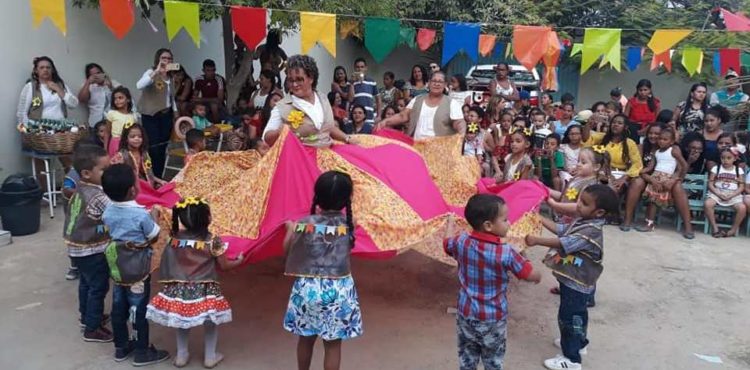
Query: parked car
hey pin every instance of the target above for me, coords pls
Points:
(480, 76)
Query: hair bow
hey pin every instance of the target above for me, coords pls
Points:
(599, 149)
(473, 128)
(194, 201)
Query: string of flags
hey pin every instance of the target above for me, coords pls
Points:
(310, 228)
(530, 45)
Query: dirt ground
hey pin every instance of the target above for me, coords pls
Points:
(661, 300)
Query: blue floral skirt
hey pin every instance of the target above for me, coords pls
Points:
(328, 308)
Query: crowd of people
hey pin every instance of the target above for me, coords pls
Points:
(622, 148)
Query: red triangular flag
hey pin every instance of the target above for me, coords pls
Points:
(729, 58)
(735, 22)
(249, 24)
(425, 38)
(664, 59)
(118, 16)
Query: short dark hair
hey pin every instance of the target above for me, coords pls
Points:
(86, 156)
(567, 97)
(117, 180)
(554, 136)
(209, 63)
(481, 208)
(195, 217)
(360, 59)
(478, 110)
(193, 137)
(605, 198)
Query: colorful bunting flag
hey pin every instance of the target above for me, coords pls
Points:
(499, 50)
(407, 36)
(530, 43)
(634, 57)
(54, 9)
(460, 36)
(349, 27)
(249, 24)
(663, 59)
(601, 42)
(118, 16)
(692, 60)
(486, 44)
(549, 79)
(180, 14)
(730, 58)
(320, 28)
(381, 36)
(663, 40)
(576, 48)
(508, 49)
(716, 63)
(735, 22)
(425, 38)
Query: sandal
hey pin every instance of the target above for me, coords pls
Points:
(647, 228)
(625, 228)
(719, 234)
(729, 235)
(688, 236)
(555, 290)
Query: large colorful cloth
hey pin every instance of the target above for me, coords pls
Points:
(404, 196)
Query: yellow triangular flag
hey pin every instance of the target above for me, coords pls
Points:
(692, 60)
(348, 28)
(663, 40)
(54, 9)
(601, 42)
(577, 47)
(178, 15)
(320, 28)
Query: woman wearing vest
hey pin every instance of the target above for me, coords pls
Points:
(430, 115)
(157, 106)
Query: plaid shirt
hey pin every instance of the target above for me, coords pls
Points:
(483, 265)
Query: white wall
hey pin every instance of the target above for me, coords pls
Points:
(88, 40)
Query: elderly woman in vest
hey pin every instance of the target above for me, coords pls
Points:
(307, 113)
(45, 94)
(430, 115)
(157, 106)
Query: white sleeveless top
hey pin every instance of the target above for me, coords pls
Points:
(665, 161)
(501, 90)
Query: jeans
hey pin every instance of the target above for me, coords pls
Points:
(483, 340)
(158, 131)
(93, 285)
(122, 298)
(573, 319)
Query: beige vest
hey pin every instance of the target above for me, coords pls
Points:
(323, 137)
(442, 122)
(154, 97)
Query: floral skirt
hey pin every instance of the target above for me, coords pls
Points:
(328, 308)
(660, 198)
(187, 305)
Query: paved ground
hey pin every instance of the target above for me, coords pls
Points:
(661, 299)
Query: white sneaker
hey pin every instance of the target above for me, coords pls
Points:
(561, 362)
(583, 351)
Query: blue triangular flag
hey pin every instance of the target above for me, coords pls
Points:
(460, 36)
(320, 229)
(717, 62)
(634, 56)
(499, 50)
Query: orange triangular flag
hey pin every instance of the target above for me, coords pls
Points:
(530, 43)
(486, 44)
(118, 16)
(664, 59)
(425, 38)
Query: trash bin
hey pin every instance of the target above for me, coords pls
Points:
(20, 196)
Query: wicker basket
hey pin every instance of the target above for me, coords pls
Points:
(59, 143)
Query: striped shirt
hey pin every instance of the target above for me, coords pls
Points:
(364, 95)
(483, 266)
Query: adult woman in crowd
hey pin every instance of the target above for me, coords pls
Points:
(459, 91)
(340, 85)
(96, 93)
(184, 92)
(625, 159)
(546, 104)
(692, 146)
(418, 83)
(642, 108)
(157, 106)
(690, 113)
(267, 83)
(502, 86)
(45, 95)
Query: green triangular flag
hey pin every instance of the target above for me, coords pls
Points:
(407, 36)
(381, 36)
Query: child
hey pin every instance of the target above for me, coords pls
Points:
(570, 147)
(389, 111)
(320, 263)
(196, 143)
(132, 230)
(518, 164)
(592, 168)
(484, 263)
(725, 187)
(103, 137)
(134, 153)
(118, 117)
(199, 116)
(549, 161)
(669, 168)
(500, 139)
(190, 295)
(725, 141)
(87, 238)
(474, 140)
(576, 261)
(541, 128)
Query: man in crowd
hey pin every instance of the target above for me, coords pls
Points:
(364, 91)
(209, 89)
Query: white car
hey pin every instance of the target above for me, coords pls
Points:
(479, 77)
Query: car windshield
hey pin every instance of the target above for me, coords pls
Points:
(515, 76)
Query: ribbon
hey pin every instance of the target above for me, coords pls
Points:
(381, 36)
(460, 36)
(349, 27)
(118, 16)
(180, 14)
(729, 58)
(52, 9)
(320, 28)
(663, 40)
(634, 57)
(601, 42)
(486, 44)
(425, 38)
(735, 22)
(664, 59)
(249, 24)
(692, 60)
(407, 35)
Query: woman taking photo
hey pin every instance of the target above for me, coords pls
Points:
(96, 93)
(690, 113)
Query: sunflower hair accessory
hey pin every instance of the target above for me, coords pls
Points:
(128, 125)
(473, 128)
(190, 201)
(295, 119)
(599, 149)
(528, 131)
(571, 194)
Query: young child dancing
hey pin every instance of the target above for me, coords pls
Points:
(87, 239)
(121, 115)
(323, 302)
(575, 258)
(593, 168)
(725, 186)
(134, 153)
(196, 143)
(190, 295)
(484, 267)
(665, 170)
(132, 230)
(518, 164)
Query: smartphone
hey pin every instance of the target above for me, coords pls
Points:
(173, 67)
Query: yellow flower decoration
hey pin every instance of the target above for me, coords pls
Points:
(194, 201)
(128, 124)
(147, 164)
(516, 176)
(599, 149)
(37, 101)
(473, 128)
(527, 131)
(571, 194)
(296, 118)
(159, 84)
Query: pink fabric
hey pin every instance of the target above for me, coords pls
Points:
(114, 146)
(165, 196)
(520, 196)
(390, 133)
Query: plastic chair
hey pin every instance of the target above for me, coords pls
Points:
(695, 184)
(177, 148)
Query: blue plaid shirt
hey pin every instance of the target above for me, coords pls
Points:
(483, 265)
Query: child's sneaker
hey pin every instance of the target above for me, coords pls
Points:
(150, 356)
(100, 335)
(122, 354)
(583, 351)
(72, 274)
(561, 362)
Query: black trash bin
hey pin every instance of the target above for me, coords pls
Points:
(20, 196)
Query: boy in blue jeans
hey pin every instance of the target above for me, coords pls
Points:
(484, 263)
(575, 258)
(132, 230)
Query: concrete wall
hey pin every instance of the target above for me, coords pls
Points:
(88, 40)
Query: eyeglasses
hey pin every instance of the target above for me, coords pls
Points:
(437, 82)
